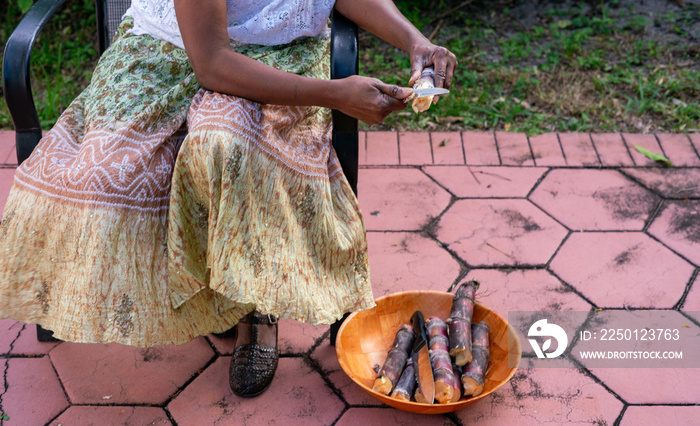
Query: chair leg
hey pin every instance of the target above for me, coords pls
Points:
(44, 335)
(335, 327)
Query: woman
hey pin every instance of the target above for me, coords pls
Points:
(117, 230)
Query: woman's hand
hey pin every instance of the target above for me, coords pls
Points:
(426, 54)
(369, 99)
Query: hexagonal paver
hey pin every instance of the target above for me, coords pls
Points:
(326, 357)
(669, 182)
(486, 182)
(9, 331)
(547, 150)
(294, 338)
(594, 200)
(537, 396)
(659, 415)
(500, 232)
(527, 291)
(447, 148)
(401, 261)
(117, 374)
(645, 141)
(514, 149)
(578, 149)
(388, 417)
(678, 149)
(298, 395)
(615, 269)
(399, 199)
(670, 385)
(27, 344)
(33, 395)
(612, 149)
(678, 226)
(91, 415)
(691, 305)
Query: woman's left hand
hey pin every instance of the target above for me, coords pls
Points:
(427, 54)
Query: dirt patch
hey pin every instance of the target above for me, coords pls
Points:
(516, 219)
(685, 220)
(626, 256)
(625, 204)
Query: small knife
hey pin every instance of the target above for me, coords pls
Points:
(421, 358)
(428, 91)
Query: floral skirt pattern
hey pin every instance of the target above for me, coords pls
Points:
(155, 211)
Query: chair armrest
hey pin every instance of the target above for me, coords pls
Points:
(16, 78)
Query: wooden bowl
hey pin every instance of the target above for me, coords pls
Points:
(365, 337)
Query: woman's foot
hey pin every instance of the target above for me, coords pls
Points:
(255, 357)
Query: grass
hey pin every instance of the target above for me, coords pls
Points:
(570, 67)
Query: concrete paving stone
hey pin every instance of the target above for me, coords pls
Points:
(297, 396)
(665, 385)
(91, 415)
(611, 149)
(691, 305)
(414, 148)
(118, 374)
(8, 153)
(480, 149)
(545, 396)
(294, 337)
(678, 226)
(514, 149)
(362, 148)
(669, 182)
(27, 344)
(622, 269)
(399, 199)
(389, 417)
(486, 182)
(645, 141)
(382, 149)
(601, 200)
(402, 261)
(578, 149)
(447, 148)
(500, 232)
(678, 149)
(7, 176)
(33, 395)
(642, 415)
(546, 150)
(9, 331)
(695, 140)
(327, 358)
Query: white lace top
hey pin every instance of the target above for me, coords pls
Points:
(266, 22)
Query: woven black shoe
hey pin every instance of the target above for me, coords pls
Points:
(253, 366)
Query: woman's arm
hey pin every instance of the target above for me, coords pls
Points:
(218, 68)
(382, 18)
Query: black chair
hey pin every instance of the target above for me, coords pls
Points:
(20, 102)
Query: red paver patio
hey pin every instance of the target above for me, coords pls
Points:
(555, 222)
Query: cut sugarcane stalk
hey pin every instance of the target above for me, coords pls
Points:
(460, 322)
(426, 80)
(440, 360)
(418, 396)
(395, 361)
(457, 370)
(474, 372)
(406, 385)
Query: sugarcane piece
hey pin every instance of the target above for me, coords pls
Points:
(460, 322)
(440, 361)
(395, 361)
(418, 396)
(426, 80)
(406, 385)
(457, 370)
(474, 372)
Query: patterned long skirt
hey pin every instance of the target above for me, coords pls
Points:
(155, 211)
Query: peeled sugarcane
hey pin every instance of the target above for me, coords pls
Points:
(457, 370)
(407, 383)
(395, 361)
(443, 375)
(426, 80)
(460, 322)
(474, 372)
(418, 396)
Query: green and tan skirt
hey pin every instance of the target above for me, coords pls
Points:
(155, 211)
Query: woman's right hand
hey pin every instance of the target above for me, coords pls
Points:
(369, 99)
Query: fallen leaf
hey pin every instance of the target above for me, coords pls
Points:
(507, 127)
(443, 142)
(686, 326)
(564, 23)
(678, 102)
(653, 155)
(451, 120)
